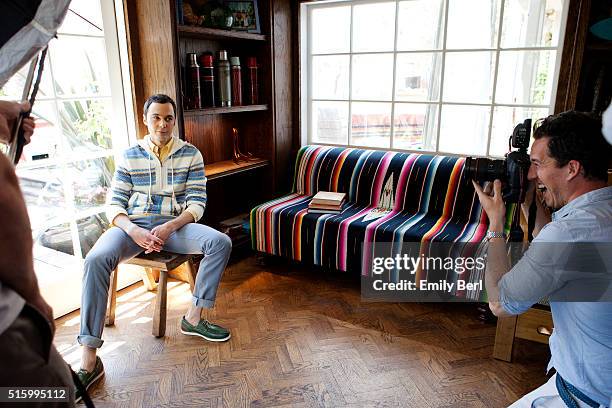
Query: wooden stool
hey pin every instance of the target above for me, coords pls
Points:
(156, 261)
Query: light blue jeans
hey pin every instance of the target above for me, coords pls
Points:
(115, 246)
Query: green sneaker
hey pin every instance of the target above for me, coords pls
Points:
(89, 378)
(206, 330)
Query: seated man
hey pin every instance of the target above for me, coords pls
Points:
(158, 195)
(569, 260)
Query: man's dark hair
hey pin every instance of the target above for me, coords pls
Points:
(159, 98)
(577, 136)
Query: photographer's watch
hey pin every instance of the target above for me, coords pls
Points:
(495, 234)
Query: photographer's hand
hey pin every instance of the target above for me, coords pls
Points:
(493, 205)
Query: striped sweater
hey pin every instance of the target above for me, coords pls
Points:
(143, 185)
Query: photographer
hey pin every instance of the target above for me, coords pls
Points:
(27, 357)
(569, 162)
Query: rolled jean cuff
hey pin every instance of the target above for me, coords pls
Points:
(203, 303)
(90, 341)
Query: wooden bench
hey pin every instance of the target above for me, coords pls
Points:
(161, 262)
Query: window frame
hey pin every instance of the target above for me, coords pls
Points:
(306, 74)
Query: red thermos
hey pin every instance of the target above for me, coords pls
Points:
(236, 74)
(253, 82)
(207, 80)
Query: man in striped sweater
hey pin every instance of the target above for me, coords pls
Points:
(157, 197)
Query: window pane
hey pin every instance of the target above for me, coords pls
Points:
(329, 122)
(415, 126)
(46, 140)
(420, 25)
(525, 77)
(504, 120)
(91, 181)
(13, 89)
(372, 77)
(371, 124)
(472, 24)
(373, 27)
(85, 125)
(90, 229)
(88, 10)
(417, 77)
(43, 192)
(330, 29)
(468, 77)
(330, 77)
(531, 23)
(464, 129)
(80, 66)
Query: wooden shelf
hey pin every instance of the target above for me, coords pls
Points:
(218, 34)
(231, 109)
(228, 167)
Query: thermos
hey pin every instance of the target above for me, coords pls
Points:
(252, 81)
(224, 93)
(236, 81)
(193, 70)
(207, 80)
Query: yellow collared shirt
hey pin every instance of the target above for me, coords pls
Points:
(160, 152)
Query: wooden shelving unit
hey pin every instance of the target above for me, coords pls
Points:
(229, 167)
(232, 109)
(265, 128)
(217, 34)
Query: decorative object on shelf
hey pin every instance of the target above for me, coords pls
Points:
(193, 69)
(207, 80)
(191, 12)
(224, 93)
(238, 156)
(252, 81)
(236, 81)
(246, 15)
(217, 15)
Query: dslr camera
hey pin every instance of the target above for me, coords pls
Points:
(512, 170)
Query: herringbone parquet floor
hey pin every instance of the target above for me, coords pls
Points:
(302, 338)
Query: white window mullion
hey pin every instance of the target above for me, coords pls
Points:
(350, 88)
(442, 63)
(392, 135)
(497, 52)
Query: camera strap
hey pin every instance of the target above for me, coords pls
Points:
(533, 208)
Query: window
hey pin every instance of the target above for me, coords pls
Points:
(81, 123)
(444, 76)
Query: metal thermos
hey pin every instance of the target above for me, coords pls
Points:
(236, 81)
(195, 102)
(207, 80)
(223, 79)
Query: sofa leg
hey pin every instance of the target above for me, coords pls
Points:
(263, 259)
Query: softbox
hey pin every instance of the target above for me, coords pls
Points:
(26, 27)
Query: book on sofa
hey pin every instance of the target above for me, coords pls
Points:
(326, 202)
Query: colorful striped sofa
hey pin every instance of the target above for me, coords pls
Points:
(391, 197)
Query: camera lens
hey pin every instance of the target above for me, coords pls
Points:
(482, 169)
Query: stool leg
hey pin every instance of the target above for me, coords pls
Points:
(191, 276)
(159, 319)
(148, 278)
(112, 299)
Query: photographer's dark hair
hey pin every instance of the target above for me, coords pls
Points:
(577, 136)
(159, 98)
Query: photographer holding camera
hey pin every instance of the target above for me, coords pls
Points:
(569, 161)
